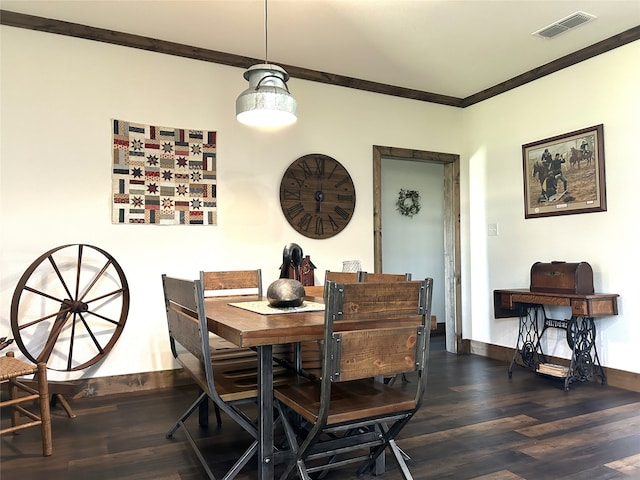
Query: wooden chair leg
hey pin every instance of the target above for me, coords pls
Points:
(13, 393)
(45, 412)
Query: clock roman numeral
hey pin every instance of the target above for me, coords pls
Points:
(292, 194)
(341, 182)
(342, 212)
(334, 225)
(299, 181)
(333, 170)
(345, 198)
(305, 169)
(320, 167)
(319, 226)
(304, 222)
(295, 210)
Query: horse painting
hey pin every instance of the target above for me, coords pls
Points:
(579, 155)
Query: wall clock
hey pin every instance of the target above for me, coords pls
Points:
(317, 196)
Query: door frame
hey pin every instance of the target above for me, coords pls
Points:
(452, 290)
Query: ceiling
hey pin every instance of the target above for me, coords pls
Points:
(451, 48)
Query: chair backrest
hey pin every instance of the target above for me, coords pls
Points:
(376, 329)
(377, 300)
(384, 277)
(232, 282)
(184, 302)
(341, 277)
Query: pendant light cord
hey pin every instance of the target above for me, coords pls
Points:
(266, 36)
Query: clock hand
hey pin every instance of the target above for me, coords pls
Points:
(319, 196)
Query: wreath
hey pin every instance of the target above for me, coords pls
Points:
(408, 203)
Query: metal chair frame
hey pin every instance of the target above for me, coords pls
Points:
(187, 322)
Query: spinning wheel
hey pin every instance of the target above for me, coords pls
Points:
(70, 307)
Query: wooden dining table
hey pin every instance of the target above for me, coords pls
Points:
(247, 328)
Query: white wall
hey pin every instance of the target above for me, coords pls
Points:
(601, 90)
(58, 95)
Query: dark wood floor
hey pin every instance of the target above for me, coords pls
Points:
(476, 424)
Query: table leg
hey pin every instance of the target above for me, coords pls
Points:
(265, 413)
(528, 348)
(581, 338)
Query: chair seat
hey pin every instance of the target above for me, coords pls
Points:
(235, 377)
(349, 401)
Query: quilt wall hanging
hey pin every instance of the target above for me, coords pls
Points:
(163, 175)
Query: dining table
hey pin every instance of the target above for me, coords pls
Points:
(245, 327)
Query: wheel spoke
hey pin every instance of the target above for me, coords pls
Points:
(57, 270)
(95, 279)
(38, 292)
(38, 320)
(78, 271)
(95, 340)
(71, 340)
(103, 317)
(115, 292)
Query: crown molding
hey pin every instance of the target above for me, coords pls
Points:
(32, 22)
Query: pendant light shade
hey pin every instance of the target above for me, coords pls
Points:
(267, 102)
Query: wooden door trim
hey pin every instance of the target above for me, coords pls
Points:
(451, 162)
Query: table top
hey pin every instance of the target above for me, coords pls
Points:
(550, 294)
(250, 329)
(592, 305)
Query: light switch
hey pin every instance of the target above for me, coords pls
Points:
(492, 230)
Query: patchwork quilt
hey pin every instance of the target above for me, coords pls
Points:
(163, 175)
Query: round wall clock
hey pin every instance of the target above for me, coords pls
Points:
(317, 196)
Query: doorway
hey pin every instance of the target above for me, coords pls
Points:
(451, 215)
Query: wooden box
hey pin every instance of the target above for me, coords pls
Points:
(562, 277)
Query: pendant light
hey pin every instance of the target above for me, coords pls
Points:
(267, 102)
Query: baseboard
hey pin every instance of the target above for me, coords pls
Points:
(135, 382)
(139, 382)
(615, 377)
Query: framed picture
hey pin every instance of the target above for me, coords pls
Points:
(565, 174)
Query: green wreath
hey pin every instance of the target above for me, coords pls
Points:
(408, 203)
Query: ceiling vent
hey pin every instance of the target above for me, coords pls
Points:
(565, 24)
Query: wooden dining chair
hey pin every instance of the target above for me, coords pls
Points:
(227, 283)
(189, 339)
(11, 369)
(233, 362)
(370, 330)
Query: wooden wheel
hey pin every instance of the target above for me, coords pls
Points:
(70, 307)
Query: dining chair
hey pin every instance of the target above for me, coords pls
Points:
(189, 339)
(238, 363)
(370, 330)
(232, 359)
(11, 369)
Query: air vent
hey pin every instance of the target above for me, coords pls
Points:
(565, 24)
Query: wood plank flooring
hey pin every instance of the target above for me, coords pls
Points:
(476, 423)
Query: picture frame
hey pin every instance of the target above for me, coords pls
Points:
(565, 174)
